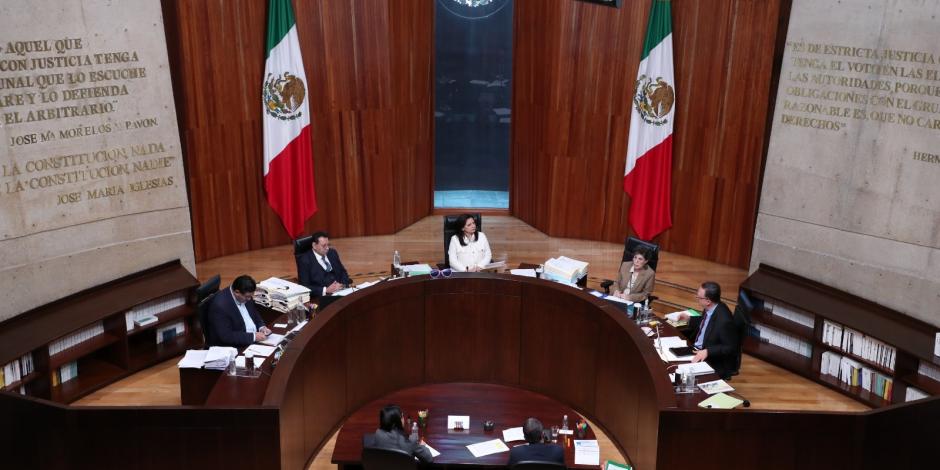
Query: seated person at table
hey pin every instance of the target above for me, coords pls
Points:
(468, 251)
(233, 319)
(320, 268)
(391, 435)
(535, 450)
(716, 338)
(636, 280)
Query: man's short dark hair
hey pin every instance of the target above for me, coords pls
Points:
(712, 291)
(318, 235)
(532, 430)
(244, 284)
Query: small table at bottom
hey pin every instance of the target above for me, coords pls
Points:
(509, 407)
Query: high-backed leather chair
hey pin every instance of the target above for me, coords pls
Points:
(536, 465)
(451, 229)
(203, 311)
(208, 288)
(629, 246)
(742, 323)
(374, 458)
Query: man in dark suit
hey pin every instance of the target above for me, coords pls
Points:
(320, 269)
(233, 319)
(535, 450)
(716, 336)
(391, 435)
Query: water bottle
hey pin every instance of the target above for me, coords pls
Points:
(564, 422)
(414, 429)
(396, 262)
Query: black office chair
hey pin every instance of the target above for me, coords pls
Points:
(537, 465)
(208, 288)
(374, 458)
(742, 323)
(301, 246)
(629, 246)
(451, 229)
(203, 310)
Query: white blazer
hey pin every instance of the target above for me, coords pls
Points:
(476, 253)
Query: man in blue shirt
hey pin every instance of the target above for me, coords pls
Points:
(716, 338)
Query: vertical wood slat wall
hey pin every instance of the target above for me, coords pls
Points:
(369, 73)
(575, 64)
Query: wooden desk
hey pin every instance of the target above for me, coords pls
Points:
(507, 406)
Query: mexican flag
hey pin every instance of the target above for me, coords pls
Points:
(648, 174)
(288, 157)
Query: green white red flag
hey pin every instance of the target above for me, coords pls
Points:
(288, 156)
(648, 174)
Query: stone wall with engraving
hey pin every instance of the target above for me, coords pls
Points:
(92, 184)
(851, 191)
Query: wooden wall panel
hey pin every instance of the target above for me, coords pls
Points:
(368, 65)
(574, 68)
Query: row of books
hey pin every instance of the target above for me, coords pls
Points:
(929, 370)
(76, 338)
(168, 333)
(802, 318)
(65, 373)
(17, 369)
(858, 344)
(144, 314)
(853, 373)
(281, 295)
(776, 337)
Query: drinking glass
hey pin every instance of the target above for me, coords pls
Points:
(554, 434)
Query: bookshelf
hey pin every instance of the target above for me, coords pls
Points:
(90, 338)
(890, 349)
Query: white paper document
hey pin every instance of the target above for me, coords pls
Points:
(299, 326)
(434, 453)
(715, 386)
(280, 325)
(194, 359)
(260, 350)
(586, 452)
(523, 272)
(617, 299)
(488, 447)
(240, 362)
(464, 421)
(273, 339)
(513, 434)
(695, 368)
(344, 292)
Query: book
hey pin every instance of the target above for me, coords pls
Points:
(611, 465)
(715, 386)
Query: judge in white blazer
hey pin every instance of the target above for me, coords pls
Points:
(468, 251)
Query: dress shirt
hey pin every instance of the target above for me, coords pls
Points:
(325, 264)
(475, 253)
(249, 323)
(700, 339)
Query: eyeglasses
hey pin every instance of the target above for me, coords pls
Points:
(439, 273)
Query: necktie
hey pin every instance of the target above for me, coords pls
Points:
(329, 267)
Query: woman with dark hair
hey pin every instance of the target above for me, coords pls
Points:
(391, 435)
(469, 250)
(636, 280)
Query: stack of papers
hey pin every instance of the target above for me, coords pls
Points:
(586, 452)
(670, 342)
(487, 447)
(674, 320)
(273, 339)
(281, 295)
(218, 357)
(194, 359)
(715, 386)
(513, 434)
(720, 401)
(259, 350)
(695, 368)
(565, 269)
(522, 272)
(350, 290)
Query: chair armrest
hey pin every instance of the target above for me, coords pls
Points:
(606, 285)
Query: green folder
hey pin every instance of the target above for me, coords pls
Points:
(720, 401)
(617, 466)
(694, 313)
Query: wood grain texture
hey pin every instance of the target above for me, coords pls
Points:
(368, 66)
(573, 72)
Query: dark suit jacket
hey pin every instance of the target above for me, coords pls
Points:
(721, 340)
(539, 452)
(314, 277)
(226, 326)
(396, 440)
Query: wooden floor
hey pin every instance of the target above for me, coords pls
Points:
(677, 277)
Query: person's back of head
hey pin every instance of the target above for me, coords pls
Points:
(532, 430)
(390, 418)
